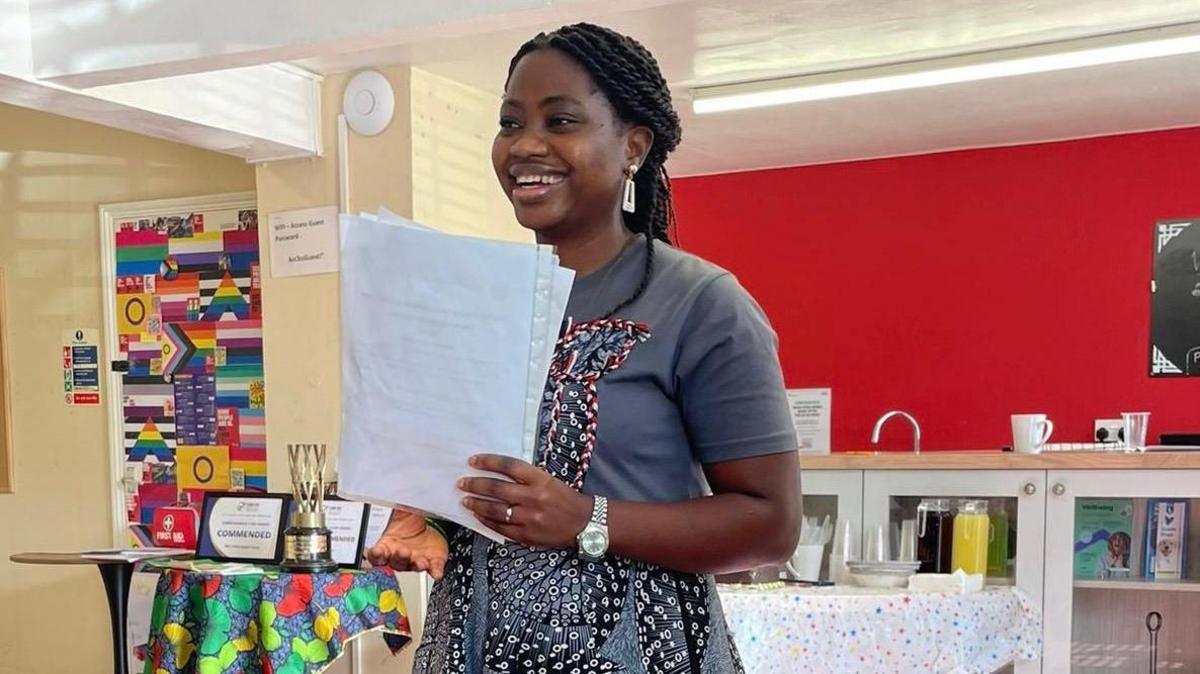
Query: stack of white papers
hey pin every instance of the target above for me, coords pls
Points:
(446, 345)
(211, 567)
(134, 554)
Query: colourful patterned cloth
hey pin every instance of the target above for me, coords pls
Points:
(844, 630)
(267, 623)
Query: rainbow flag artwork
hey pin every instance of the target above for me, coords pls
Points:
(227, 300)
(189, 309)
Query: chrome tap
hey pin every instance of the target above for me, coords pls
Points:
(894, 413)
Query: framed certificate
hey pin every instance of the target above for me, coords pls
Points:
(347, 523)
(243, 526)
(377, 522)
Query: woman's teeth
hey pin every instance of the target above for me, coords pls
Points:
(539, 180)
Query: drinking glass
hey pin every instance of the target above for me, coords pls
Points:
(908, 541)
(878, 544)
(1135, 425)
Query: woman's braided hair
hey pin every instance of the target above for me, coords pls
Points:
(629, 77)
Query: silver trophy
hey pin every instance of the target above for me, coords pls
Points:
(306, 543)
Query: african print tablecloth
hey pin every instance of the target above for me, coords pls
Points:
(268, 623)
(844, 630)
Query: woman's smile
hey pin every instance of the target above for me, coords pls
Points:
(533, 184)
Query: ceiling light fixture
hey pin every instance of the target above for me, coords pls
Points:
(1107, 49)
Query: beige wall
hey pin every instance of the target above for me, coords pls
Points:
(6, 477)
(432, 163)
(300, 314)
(54, 172)
(454, 187)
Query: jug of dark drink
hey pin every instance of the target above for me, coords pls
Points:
(935, 535)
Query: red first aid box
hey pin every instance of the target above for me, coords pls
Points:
(174, 527)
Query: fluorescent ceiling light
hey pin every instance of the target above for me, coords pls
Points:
(1133, 46)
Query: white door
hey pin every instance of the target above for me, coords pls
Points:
(183, 320)
(1097, 624)
(890, 496)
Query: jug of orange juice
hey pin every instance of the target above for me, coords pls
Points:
(971, 533)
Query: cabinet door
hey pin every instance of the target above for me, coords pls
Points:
(836, 493)
(1098, 591)
(892, 496)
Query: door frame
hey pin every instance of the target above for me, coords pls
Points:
(110, 216)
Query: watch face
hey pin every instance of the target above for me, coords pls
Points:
(593, 543)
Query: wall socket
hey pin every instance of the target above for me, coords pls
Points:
(1106, 430)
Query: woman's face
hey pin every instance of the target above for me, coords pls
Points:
(1117, 545)
(561, 151)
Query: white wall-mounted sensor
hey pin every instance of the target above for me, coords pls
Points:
(368, 103)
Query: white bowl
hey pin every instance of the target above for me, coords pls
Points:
(893, 567)
(880, 580)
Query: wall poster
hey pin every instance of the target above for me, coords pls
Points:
(1175, 300)
(81, 366)
(185, 342)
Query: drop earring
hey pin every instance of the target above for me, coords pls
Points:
(629, 202)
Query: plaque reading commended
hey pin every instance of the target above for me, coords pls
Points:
(242, 527)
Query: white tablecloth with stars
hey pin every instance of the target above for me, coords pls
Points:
(839, 630)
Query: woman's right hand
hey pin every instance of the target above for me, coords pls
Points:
(423, 551)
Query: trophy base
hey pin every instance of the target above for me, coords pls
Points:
(307, 550)
(301, 566)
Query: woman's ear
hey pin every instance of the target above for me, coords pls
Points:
(638, 141)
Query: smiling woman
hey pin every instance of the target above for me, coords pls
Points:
(666, 452)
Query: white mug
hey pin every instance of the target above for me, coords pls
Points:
(1030, 432)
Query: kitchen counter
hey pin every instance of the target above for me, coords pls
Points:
(995, 460)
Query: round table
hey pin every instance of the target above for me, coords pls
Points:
(846, 629)
(116, 575)
(268, 621)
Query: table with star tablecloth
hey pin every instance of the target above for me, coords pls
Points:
(844, 629)
(268, 622)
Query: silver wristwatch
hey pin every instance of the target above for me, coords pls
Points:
(593, 540)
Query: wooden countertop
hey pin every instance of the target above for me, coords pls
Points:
(995, 460)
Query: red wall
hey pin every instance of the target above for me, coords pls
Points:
(964, 286)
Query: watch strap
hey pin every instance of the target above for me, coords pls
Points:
(600, 511)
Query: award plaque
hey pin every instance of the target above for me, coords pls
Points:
(307, 546)
(242, 527)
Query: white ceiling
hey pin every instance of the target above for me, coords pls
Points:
(709, 42)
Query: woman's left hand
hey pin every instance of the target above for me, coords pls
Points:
(534, 509)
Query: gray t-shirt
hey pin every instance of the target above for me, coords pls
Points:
(632, 409)
(704, 387)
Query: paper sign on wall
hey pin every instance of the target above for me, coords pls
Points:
(811, 414)
(81, 366)
(304, 241)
